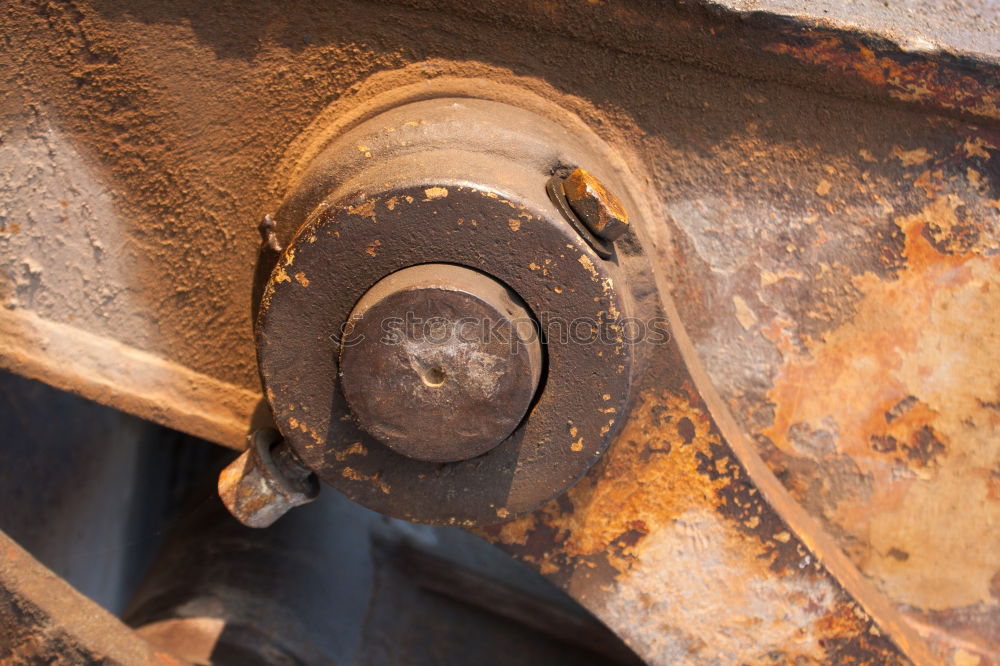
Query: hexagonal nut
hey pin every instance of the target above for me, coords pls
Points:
(255, 489)
(596, 207)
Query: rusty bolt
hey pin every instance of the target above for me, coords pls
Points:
(596, 207)
(266, 481)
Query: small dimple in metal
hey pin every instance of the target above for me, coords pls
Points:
(434, 377)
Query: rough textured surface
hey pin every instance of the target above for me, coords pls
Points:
(671, 529)
(44, 620)
(852, 334)
(820, 188)
(961, 27)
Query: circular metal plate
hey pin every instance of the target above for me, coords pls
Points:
(451, 182)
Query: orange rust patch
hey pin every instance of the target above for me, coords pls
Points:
(658, 510)
(902, 390)
(861, 359)
(920, 80)
(355, 449)
(632, 488)
(367, 209)
(355, 475)
(910, 157)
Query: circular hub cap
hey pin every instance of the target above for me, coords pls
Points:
(440, 362)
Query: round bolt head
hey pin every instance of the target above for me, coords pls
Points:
(441, 363)
(255, 490)
(598, 208)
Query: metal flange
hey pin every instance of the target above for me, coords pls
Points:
(460, 183)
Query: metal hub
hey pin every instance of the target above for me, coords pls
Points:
(414, 227)
(440, 362)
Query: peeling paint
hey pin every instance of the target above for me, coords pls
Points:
(669, 528)
(904, 386)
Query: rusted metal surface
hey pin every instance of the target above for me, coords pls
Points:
(671, 527)
(462, 182)
(866, 374)
(434, 365)
(960, 28)
(44, 620)
(920, 81)
(266, 481)
(65, 110)
(851, 339)
(812, 188)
